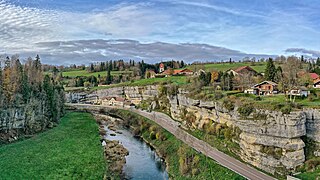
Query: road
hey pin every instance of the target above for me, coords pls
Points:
(173, 127)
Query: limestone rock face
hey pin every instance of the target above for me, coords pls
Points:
(276, 124)
(27, 118)
(277, 131)
(313, 124)
(111, 92)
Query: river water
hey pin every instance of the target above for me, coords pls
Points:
(142, 163)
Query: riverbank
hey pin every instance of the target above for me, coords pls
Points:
(183, 162)
(132, 156)
(72, 150)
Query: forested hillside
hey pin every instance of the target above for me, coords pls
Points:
(29, 101)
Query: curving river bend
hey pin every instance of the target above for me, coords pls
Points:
(142, 162)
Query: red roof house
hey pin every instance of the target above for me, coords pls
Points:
(243, 70)
(313, 76)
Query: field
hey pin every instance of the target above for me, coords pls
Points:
(70, 151)
(86, 73)
(179, 80)
(258, 66)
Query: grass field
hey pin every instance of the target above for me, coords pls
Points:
(86, 73)
(258, 66)
(179, 80)
(70, 151)
(309, 175)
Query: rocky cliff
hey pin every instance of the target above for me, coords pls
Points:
(24, 119)
(272, 143)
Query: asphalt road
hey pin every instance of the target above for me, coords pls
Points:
(173, 127)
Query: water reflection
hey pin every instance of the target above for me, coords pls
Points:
(142, 162)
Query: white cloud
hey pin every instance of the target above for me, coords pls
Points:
(22, 27)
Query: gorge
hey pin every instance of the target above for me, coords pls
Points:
(274, 144)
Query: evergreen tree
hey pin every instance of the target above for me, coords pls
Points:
(182, 64)
(270, 71)
(318, 61)
(109, 77)
(91, 69)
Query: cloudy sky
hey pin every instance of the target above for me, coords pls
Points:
(81, 31)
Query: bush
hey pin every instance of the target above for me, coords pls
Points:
(195, 171)
(153, 128)
(160, 136)
(245, 110)
(286, 109)
(312, 163)
(258, 98)
(218, 95)
(136, 131)
(152, 135)
(229, 105)
(260, 116)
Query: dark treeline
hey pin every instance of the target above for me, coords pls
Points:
(28, 96)
(121, 65)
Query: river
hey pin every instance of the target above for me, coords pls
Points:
(142, 162)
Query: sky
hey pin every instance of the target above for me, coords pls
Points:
(82, 31)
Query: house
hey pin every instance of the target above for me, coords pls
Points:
(161, 68)
(197, 73)
(314, 76)
(185, 72)
(302, 91)
(150, 74)
(263, 88)
(113, 101)
(242, 70)
(316, 83)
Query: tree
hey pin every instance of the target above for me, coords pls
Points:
(318, 61)
(109, 77)
(278, 76)
(182, 64)
(214, 76)
(270, 71)
(290, 71)
(91, 68)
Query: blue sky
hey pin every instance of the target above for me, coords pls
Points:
(253, 27)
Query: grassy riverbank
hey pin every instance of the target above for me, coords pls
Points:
(70, 151)
(175, 151)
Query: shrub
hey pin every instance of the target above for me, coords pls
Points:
(102, 111)
(153, 128)
(258, 98)
(312, 163)
(136, 131)
(218, 95)
(195, 171)
(311, 98)
(260, 116)
(246, 109)
(160, 136)
(152, 135)
(286, 109)
(228, 133)
(229, 105)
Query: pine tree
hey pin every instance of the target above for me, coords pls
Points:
(109, 77)
(318, 61)
(270, 71)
